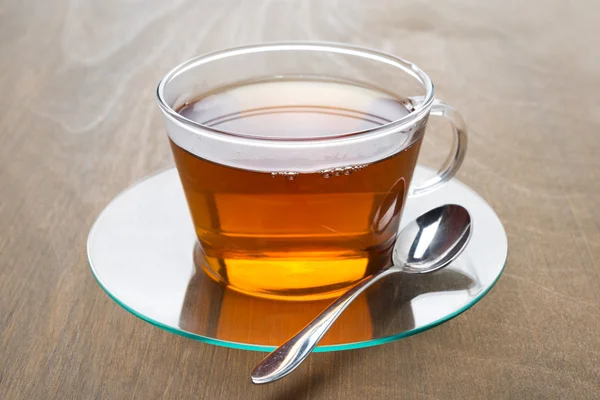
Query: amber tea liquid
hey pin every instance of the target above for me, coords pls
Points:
(296, 235)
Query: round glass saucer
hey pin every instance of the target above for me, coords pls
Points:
(141, 247)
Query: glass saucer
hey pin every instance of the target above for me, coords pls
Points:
(141, 246)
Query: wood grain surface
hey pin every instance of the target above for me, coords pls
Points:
(79, 123)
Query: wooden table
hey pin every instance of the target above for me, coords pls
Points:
(79, 123)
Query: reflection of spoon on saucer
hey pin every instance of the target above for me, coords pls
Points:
(427, 244)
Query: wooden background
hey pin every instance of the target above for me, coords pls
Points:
(79, 123)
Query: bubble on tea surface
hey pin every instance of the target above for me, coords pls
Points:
(326, 173)
(287, 174)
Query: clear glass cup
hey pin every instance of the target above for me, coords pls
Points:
(297, 159)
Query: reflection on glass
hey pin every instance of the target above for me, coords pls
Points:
(212, 310)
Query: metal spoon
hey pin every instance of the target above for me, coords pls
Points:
(427, 244)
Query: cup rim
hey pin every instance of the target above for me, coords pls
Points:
(340, 48)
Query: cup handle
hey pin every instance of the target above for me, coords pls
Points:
(457, 153)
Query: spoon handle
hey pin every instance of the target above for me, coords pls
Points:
(290, 355)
